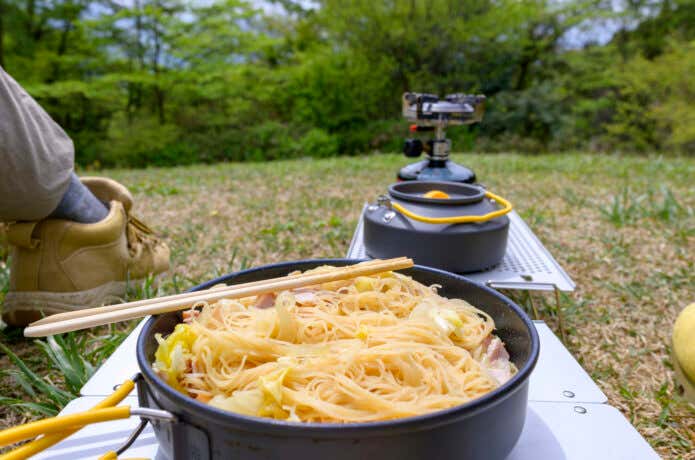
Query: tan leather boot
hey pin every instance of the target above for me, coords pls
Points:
(60, 265)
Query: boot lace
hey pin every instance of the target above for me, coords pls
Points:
(140, 237)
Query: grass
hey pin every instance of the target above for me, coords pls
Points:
(623, 228)
(628, 207)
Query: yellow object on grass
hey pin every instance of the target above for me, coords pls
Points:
(683, 340)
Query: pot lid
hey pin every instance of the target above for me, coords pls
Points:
(437, 192)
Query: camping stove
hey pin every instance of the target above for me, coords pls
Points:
(429, 113)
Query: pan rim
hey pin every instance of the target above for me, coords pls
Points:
(477, 195)
(431, 419)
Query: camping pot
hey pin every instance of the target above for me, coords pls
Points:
(449, 225)
(487, 427)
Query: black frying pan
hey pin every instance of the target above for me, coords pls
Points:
(486, 428)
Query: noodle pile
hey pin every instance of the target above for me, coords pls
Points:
(366, 349)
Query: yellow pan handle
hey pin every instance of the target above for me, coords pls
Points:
(111, 455)
(506, 208)
(34, 447)
(62, 423)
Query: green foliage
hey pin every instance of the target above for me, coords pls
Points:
(171, 82)
(270, 140)
(71, 356)
(48, 398)
(318, 143)
(64, 352)
(143, 142)
(654, 108)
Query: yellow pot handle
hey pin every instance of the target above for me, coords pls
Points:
(62, 423)
(43, 443)
(506, 208)
(111, 455)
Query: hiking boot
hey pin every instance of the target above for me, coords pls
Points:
(60, 265)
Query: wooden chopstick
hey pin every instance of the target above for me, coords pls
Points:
(166, 304)
(124, 306)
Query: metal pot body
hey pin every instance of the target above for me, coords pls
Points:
(487, 427)
(460, 248)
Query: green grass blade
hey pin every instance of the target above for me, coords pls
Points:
(19, 378)
(34, 407)
(64, 356)
(60, 397)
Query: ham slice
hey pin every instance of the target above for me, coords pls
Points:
(305, 296)
(496, 360)
(265, 301)
(190, 315)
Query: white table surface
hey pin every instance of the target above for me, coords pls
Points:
(553, 431)
(567, 415)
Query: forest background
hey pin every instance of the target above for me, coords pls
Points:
(170, 82)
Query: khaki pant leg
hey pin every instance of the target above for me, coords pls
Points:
(36, 156)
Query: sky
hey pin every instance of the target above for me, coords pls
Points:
(596, 32)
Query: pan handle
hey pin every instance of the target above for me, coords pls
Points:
(145, 416)
(113, 454)
(55, 429)
(61, 424)
(179, 441)
(43, 443)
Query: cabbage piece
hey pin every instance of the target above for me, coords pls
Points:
(271, 388)
(446, 320)
(246, 402)
(362, 333)
(287, 325)
(364, 283)
(264, 322)
(264, 401)
(271, 384)
(172, 353)
(292, 417)
(178, 360)
(369, 283)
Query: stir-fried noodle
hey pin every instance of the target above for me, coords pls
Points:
(366, 349)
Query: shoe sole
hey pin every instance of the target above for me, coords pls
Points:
(22, 308)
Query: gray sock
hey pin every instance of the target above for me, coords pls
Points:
(79, 204)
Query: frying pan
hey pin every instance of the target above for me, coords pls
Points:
(487, 427)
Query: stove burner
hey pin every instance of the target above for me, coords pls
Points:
(429, 113)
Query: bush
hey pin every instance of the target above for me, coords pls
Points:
(654, 109)
(534, 113)
(143, 142)
(317, 143)
(268, 141)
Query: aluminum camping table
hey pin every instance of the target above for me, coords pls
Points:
(568, 416)
(526, 265)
